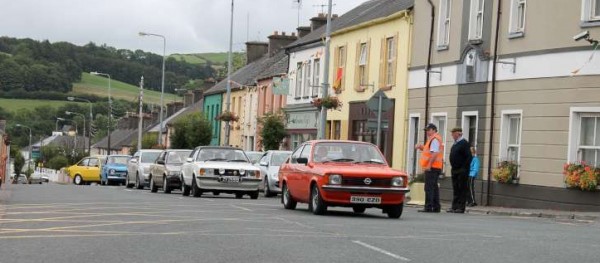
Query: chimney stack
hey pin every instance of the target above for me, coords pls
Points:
(255, 50)
(277, 42)
(303, 31)
(320, 20)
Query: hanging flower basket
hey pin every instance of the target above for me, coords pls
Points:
(227, 116)
(506, 172)
(329, 102)
(581, 176)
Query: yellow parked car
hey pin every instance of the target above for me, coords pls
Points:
(87, 170)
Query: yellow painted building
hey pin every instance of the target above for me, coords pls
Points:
(238, 106)
(368, 57)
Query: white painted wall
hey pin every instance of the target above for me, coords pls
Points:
(302, 56)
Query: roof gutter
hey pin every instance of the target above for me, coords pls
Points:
(373, 22)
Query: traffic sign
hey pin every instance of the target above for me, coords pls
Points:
(373, 102)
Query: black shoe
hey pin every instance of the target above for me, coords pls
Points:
(425, 211)
(435, 211)
(459, 211)
(450, 210)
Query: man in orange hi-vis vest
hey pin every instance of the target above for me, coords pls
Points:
(432, 162)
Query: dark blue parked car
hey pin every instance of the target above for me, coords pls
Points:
(114, 169)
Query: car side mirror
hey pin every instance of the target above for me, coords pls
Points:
(160, 162)
(134, 160)
(263, 164)
(189, 160)
(302, 160)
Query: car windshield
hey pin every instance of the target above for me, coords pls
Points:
(118, 159)
(254, 156)
(221, 155)
(278, 158)
(177, 157)
(149, 157)
(347, 152)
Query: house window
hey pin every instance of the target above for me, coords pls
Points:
(476, 20)
(471, 66)
(390, 57)
(591, 11)
(337, 129)
(510, 143)
(470, 126)
(299, 80)
(517, 17)
(316, 77)
(307, 77)
(584, 136)
(340, 62)
(362, 65)
(444, 24)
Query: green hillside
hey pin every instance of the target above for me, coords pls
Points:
(97, 85)
(19, 104)
(189, 58)
(216, 58)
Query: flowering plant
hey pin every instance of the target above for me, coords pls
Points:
(329, 102)
(506, 172)
(227, 116)
(581, 175)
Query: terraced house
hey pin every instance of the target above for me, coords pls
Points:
(524, 91)
(370, 48)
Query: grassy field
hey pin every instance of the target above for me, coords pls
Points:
(98, 85)
(19, 104)
(189, 58)
(217, 58)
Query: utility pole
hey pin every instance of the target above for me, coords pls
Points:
(141, 117)
(228, 101)
(325, 88)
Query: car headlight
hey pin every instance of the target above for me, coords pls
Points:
(335, 179)
(255, 174)
(398, 181)
(242, 171)
(111, 171)
(222, 171)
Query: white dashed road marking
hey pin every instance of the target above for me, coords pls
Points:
(387, 253)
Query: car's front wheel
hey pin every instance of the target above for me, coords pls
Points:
(316, 204)
(153, 187)
(127, 182)
(395, 211)
(185, 190)
(138, 183)
(254, 195)
(166, 187)
(267, 189)
(195, 189)
(287, 199)
(78, 180)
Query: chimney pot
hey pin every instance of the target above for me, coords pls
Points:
(283, 33)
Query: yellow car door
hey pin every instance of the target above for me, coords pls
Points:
(92, 171)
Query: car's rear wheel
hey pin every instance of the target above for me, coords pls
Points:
(185, 190)
(359, 209)
(153, 187)
(266, 188)
(138, 183)
(254, 195)
(317, 205)
(216, 193)
(195, 189)
(127, 183)
(287, 199)
(395, 211)
(78, 180)
(166, 187)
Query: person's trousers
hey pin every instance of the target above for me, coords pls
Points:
(460, 187)
(432, 190)
(471, 196)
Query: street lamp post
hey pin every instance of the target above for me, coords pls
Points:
(228, 85)
(29, 161)
(89, 123)
(83, 116)
(109, 105)
(325, 88)
(162, 86)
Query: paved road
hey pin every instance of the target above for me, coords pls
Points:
(67, 223)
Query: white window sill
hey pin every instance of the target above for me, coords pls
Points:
(442, 47)
(589, 23)
(475, 41)
(513, 35)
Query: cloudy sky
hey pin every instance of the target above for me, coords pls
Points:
(191, 26)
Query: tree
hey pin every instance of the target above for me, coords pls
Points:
(18, 160)
(58, 162)
(148, 142)
(191, 130)
(273, 131)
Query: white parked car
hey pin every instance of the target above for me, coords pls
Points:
(269, 169)
(138, 168)
(220, 170)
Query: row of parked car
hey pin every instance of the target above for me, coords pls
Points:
(321, 173)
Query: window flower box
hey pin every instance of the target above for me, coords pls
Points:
(227, 116)
(581, 176)
(506, 172)
(329, 102)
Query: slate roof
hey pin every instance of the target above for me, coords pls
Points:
(278, 66)
(367, 11)
(244, 76)
(118, 139)
(189, 109)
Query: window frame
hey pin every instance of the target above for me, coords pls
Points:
(514, 27)
(363, 60)
(444, 22)
(465, 125)
(442, 132)
(476, 24)
(299, 80)
(307, 80)
(588, 16)
(390, 58)
(506, 115)
(316, 77)
(573, 154)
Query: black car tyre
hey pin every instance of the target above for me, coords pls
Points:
(185, 190)
(254, 195)
(138, 184)
(316, 204)
(153, 187)
(78, 180)
(127, 183)
(195, 189)
(267, 189)
(287, 199)
(239, 195)
(395, 211)
(359, 209)
(166, 187)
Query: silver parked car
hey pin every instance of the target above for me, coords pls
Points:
(254, 156)
(138, 168)
(165, 172)
(269, 169)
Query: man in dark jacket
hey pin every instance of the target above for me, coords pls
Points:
(460, 159)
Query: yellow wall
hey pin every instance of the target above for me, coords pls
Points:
(398, 25)
(235, 135)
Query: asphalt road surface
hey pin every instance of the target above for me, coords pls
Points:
(68, 223)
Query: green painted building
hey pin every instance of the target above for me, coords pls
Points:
(212, 108)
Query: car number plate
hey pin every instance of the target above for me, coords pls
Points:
(365, 200)
(230, 179)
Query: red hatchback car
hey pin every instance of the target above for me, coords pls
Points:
(341, 173)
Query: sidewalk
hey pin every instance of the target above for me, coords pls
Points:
(522, 212)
